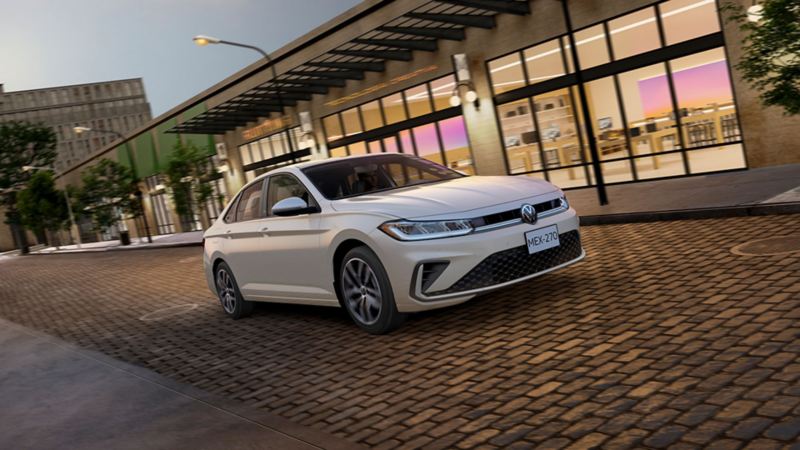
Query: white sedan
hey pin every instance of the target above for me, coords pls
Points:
(384, 235)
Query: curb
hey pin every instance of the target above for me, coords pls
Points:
(693, 214)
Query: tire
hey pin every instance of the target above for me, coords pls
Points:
(231, 300)
(366, 293)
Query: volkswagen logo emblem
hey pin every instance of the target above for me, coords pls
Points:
(528, 213)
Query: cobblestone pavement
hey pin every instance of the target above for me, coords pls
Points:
(661, 338)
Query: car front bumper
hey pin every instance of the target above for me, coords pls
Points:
(473, 264)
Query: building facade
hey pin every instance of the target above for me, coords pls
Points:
(570, 91)
(118, 105)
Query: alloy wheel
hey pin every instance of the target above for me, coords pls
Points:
(226, 291)
(361, 291)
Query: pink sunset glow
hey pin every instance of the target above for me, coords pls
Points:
(695, 87)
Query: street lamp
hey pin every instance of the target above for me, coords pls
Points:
(203, 40)
(138, 193)
(66, 197)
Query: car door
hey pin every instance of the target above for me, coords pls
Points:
(242, 236)
(291, 263)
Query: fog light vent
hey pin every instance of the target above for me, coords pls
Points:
(431, 272)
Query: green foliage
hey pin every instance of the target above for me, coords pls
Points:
(106, 186)
(22, 144)
(41, 206)
(188, 174)
(771, 59)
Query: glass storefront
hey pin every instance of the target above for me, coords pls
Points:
(275, 145)
(443, 140)
(671, 118)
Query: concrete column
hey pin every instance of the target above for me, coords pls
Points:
(481, 123)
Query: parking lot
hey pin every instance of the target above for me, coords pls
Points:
(662, 337)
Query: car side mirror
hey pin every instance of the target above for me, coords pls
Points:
(292, 206)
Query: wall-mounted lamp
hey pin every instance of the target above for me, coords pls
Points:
(463, 80)
(307, 137)
(223, 168)
(755, 12)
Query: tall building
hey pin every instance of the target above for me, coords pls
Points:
(119, 105)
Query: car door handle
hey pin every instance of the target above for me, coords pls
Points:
(265, 230)
(228, 234)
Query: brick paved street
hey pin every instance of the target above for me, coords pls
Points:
(661, 338)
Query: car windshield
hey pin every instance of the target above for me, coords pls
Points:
(358, 176)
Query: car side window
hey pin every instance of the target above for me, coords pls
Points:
(283, 186)
(230, 216)
(249, 206)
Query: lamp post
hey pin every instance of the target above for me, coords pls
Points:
(138, 193)
(202, 41)
(66, 197)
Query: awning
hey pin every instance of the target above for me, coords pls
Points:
(414, 31)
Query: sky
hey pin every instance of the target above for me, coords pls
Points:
(47, 43)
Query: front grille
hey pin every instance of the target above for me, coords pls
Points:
(514, 263)
(512, 214)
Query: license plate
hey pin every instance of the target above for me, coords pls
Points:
(542, 239)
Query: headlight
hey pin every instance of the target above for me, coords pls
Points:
(405, 230)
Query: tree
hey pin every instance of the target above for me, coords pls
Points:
(189, 173)
(21, 144)
(771, 52)
(109, 190)
(41, 206)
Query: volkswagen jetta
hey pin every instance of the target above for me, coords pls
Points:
(384, 235)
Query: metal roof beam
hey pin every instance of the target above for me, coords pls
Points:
(453, 34)
(397, 55)
(467, 20)
(364, 66)
(272, 96)
(408, 44)
(499, 6)
(335, 82)
(337, 74)
(293, 89)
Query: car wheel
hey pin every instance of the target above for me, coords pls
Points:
(234, 305)
(366, 292)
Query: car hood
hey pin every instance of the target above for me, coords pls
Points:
(447, 197)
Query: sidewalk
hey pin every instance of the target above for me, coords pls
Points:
(160, 241)
(748, 192)
(55, 395)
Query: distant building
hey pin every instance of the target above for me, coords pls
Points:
(119, 105)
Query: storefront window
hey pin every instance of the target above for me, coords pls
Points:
(609, 129)
(648, 107)
(418, 100)
(338, 152)
(634, 33)
(407, 142)
(520, 137)
(592, 47)
(442, 90)
(688, 19)
(427, 142)
(359, 148)
(333, 128)
(705, 98)
(558, 129)
(506, 73)
(352, 123)
(371, 113)
(456, 144)
(544, 61)
(393, 108)
(244, 154)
